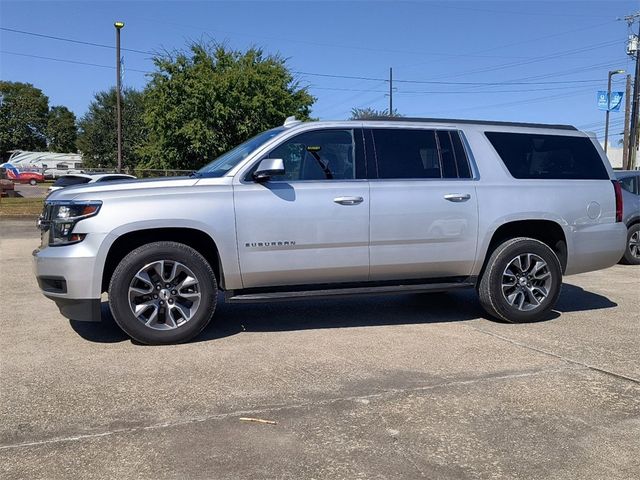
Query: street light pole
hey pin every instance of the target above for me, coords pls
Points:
(119, 26)
(606, 122)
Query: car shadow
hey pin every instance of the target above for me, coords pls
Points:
(347, 312)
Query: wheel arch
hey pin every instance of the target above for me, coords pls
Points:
(200, 241)
(547, 231)
(634, 220)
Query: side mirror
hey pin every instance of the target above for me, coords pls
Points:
(268, 168)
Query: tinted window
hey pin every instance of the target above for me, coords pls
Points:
(462, 162)
(548, 156)
(406, 153)
(447, 156)
(318, 155)
(70, 180)
(112, 178)
(629, 184)
(418, 153)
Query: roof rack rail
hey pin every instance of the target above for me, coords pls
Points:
(473, 122)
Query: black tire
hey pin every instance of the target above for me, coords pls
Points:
(135, 261)
(629, 258)
(490, 288)
(33, 182)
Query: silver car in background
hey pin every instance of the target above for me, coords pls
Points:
(84, 178)
(630, 182)
(321, 209)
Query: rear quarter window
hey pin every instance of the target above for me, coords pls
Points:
(536, 156)
(69, 180)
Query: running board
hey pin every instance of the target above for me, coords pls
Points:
(233, 297)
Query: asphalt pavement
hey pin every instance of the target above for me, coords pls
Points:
(402, 386)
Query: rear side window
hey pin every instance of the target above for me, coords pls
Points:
(111, 179)
(630, 184)
(70, 180)
(533, 156)
(418, 153)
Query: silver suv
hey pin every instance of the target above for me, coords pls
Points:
(322, 209)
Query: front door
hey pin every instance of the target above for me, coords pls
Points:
(310, 225)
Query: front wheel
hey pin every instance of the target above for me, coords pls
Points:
(162, 293)
(521, 282)
(32, 182)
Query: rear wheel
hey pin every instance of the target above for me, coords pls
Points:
(521, 282)
(163, 292)
(632, 251)
(32, 182)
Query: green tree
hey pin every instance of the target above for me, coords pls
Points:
(368, 113)
(202, 102)
(23, 117)
(97, 137)
(61, 130)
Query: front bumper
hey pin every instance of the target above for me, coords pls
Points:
(69, 275)
(83, 310)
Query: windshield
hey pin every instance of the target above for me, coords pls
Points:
(227, 161)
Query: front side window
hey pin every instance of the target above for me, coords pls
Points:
(318, 155)
(537, 156)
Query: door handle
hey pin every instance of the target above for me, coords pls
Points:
(348, 200)
(457, 197)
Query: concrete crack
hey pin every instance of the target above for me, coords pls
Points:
(555, 355)
(275, 408)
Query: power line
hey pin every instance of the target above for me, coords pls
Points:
(462, 92)
(434, 82)
(81, 42)
(541, 58)
(75, 62)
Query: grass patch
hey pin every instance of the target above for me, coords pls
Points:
(17, 207)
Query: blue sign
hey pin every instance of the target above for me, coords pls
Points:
(613, 105)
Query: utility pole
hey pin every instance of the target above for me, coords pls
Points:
(634, 135)
(627, 118)
(119, 26)
(390, 92)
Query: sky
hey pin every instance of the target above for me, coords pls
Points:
(498, 60)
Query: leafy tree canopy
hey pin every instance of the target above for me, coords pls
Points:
(368, 113)
(23, 117)
(97, 139)
(203, 102)
(61, 130)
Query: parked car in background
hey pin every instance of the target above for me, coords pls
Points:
(22, 176)
(81, 178)
(630, 181)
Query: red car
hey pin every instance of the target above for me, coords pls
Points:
(18, 176)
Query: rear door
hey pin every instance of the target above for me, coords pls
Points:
(424, 212)
(310, 225)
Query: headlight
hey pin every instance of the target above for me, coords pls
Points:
(60, 217)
